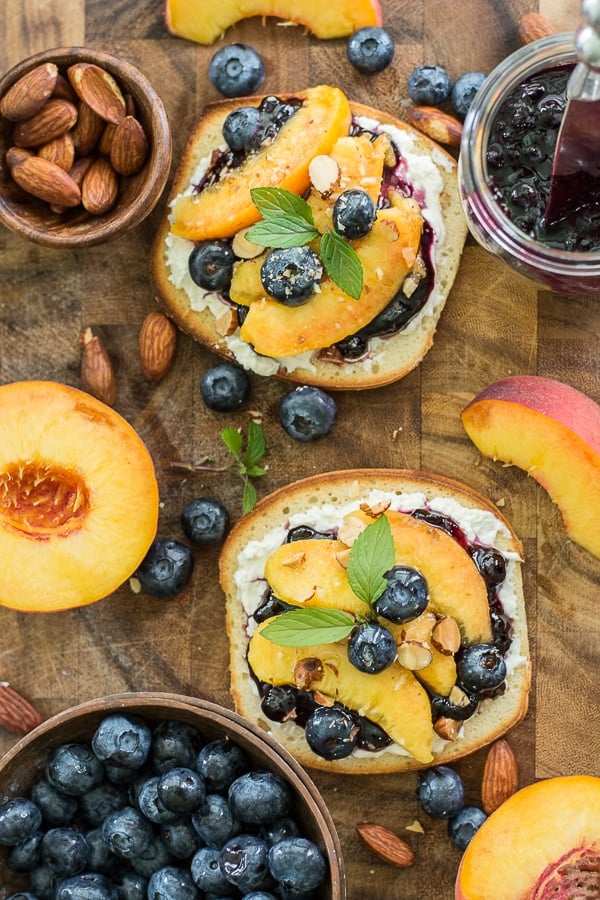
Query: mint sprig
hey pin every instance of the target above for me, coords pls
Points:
(287, 221)
(372, 555)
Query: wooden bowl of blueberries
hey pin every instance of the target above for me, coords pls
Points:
(153, 794)
(85, 147)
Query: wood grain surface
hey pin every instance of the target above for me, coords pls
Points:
(495, 324)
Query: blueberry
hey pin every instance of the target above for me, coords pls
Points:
(74, 769)
(459, 705)
(241, 126)
(126, 832)
(43, 882)
(100, 801)
(122, 740)
(440, 792)
(331, 732)
(405, 597)
(372, 736)
(87, 886)
(491, 564)
(207, 875)
(65, 851)
(282, 828)
(370, 49)
(297, 863)
(154, 856)
(236, 70)
(464, 91)
(291, 275)
(464, 824)
(101, 858)
(258, 895)
(224, 387)
(20, 818)
(429, 85)
(22, 895)
(215, 822)
(172, 883)
(132, 886)
(166, 568)
(259, 797)
(205, 521)
(244, 862)
(480, 667)
(181, 790)
(371, 647)
(174, 744)
(151, 805)
(24, 856)
(353, 214)
(307, 413)
(57, 807)
(210, 265)
(180, 838)
(220, 762)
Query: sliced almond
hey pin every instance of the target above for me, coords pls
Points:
(350, 529)
(227, 323)
(376, 510)
(386, 844)
(414, 655)
(295, 560)
(54, 118)
(343, 557)
(243, 248)
(27, 95)
(98, 89)
(447, 728)
(458, 697)
(308, 671)
(445, 636)
(324, 173)
(99, 187)
(129, 147)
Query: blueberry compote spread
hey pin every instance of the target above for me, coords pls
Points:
(347, 730)
(519, 160)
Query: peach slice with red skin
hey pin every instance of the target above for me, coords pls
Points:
(226, 206)
(541, 843)
(551, 431)
(73, 472)
(204, 21)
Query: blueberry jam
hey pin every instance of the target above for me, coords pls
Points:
(287, 703)
(519, 161)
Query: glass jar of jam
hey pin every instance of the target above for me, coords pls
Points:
(505, 164)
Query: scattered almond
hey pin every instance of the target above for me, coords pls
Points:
(445, 636)
(98, 89)
(500, 776)
(129, 147)
(157, 345)
(436, 124)
(414, 655)
(97, 372)
(386, 844)
(533, 26)
(99, 187)
(17, 715)
(29, 93)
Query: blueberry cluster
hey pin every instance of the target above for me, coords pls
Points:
(431, 85)
(440, 793)
(156, 812)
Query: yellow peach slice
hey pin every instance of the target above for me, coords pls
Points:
(393, 698)
(225, 207)
(204, 21)
(387, 254)
(552, 431)
(78, 497)
(542, 842)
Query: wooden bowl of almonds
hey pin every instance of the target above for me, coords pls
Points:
(85, 147)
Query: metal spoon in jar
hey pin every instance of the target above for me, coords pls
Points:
(575, 178)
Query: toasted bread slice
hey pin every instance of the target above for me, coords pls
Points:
(388, 357)
(321, 502)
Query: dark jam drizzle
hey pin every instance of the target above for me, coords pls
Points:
(283, 703)
(519, 161)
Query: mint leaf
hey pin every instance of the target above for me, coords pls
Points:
(371, 556)
(255, 445)
(273, 201)
(281, 232)
(233, 440)
(342, 264)
(246, 461)
(307, 627)
(248, 497)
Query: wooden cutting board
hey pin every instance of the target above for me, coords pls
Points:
(495, 324)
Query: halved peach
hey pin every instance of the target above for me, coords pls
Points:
(552, 431)
(225, 207)
(205, 21)
(78, 497)
(542, 842)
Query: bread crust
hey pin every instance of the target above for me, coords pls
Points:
(493, 718)
(391, 357)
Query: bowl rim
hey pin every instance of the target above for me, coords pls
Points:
(159, 164)
(227, 718)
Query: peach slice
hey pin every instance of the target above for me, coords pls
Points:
(204, 21)
(393, 698)
(78, 497)
(552, 431)
(225, 207)
(541, 843)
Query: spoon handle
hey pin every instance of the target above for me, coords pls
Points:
(584, 83)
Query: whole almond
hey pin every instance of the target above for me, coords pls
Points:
(79, 168)
(63, 90)
(106, 139)
(386, 844)
(87, 130)
(129, 147)
(97, 372)
(500, 776)
(157, 343)
(46, 181)
(54, 118)
(60, 151)
(533, 26)
(98, 89)
(29, 93)
(439, 126)
(99, 187)
(17, 715)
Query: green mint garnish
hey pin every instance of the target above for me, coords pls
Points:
(372, 555)
(287, 221)
(248, 460)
